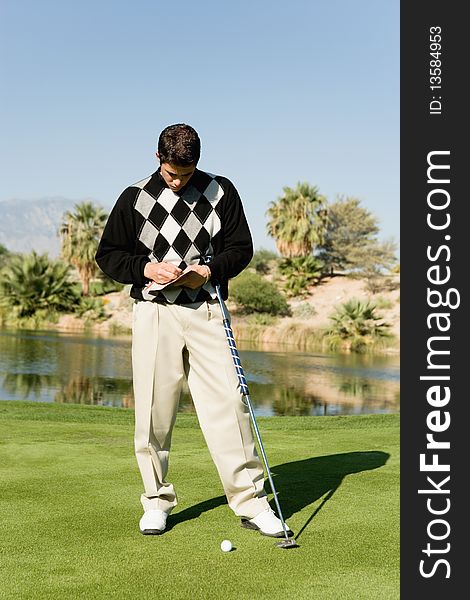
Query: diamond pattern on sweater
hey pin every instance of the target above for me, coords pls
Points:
(192, 256)
(144, 203)
(181, 211)
(170, 230)
(162, 248)
(203, 209)
(178, 229)
(192, 226)
(191, 195)
(148, 234)
(157, 215)
(213, 192)
(182, 243)
(201, 241)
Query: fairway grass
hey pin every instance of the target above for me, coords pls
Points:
(70, 508)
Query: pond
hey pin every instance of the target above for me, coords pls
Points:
(50, 366)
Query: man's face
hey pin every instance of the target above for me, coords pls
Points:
(176, 177)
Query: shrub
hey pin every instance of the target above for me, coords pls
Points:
(304, 310)
(257, 295)
(90, 309)
(35, 285)
(263, 319)
(383, 303)
(262, 260)
(5, 255)
(355, 325)
(376, 283)
(300, 273)
(104, 286)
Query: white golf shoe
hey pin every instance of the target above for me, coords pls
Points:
(153, 522)
(267, 524)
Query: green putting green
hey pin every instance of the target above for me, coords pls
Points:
(70, 509)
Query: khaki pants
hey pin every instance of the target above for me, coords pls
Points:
(171, 342)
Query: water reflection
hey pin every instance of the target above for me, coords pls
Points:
(27, 385)
(80, 369)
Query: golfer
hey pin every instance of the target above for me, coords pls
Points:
(157, 238)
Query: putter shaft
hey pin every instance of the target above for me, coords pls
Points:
(288, 542)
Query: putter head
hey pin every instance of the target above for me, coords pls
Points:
(287, 544)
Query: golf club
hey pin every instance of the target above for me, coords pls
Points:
(287, 542)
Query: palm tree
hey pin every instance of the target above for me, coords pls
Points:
(80, 233)
(297, 221)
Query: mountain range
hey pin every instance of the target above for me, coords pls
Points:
(27, 225)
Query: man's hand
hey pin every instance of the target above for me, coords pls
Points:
(195, 276)
(161, 272)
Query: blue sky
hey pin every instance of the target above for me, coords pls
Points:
(280, 92)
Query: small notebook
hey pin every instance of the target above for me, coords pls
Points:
(153, 286)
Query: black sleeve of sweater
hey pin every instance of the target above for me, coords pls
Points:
(116, 251)
(237, 244)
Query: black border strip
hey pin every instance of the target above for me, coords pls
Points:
(426, 128)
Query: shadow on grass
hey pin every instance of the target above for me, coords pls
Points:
(301, 483)
(193, 512)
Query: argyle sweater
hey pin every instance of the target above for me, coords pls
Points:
(150, 222)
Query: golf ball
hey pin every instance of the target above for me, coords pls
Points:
(226, 546)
